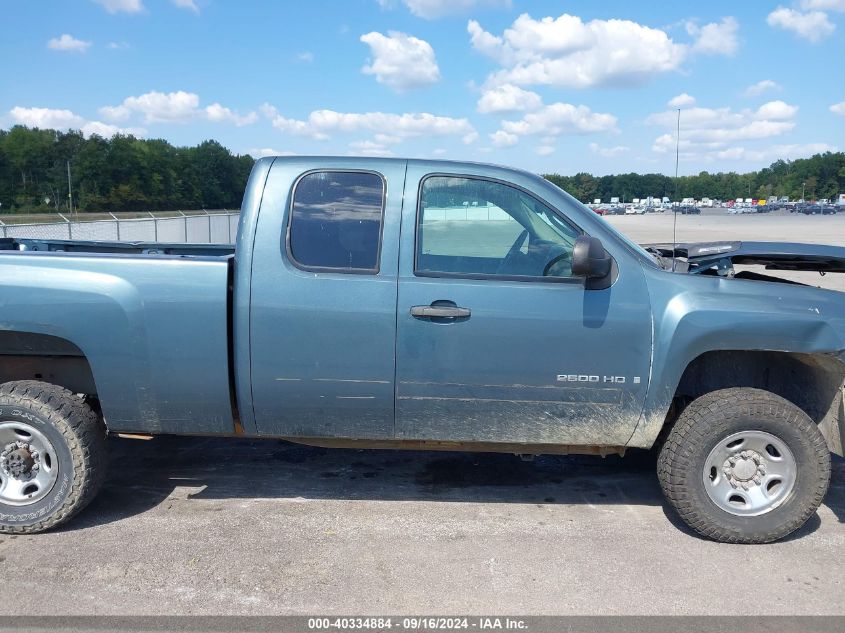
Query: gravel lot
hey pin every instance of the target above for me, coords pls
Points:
(210, 526)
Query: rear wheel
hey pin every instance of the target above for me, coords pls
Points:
(744, 466)
(52, 456)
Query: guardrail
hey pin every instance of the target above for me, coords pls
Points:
(205, 228)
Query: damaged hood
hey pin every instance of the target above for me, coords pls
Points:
(699, 256)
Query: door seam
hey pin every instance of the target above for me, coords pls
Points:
(396, 310)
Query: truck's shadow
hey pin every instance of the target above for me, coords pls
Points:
(144, 474)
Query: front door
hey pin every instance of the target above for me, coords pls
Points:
(497, 341)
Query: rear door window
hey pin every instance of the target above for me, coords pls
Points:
(336, 221)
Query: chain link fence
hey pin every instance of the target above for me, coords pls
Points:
(206, 228)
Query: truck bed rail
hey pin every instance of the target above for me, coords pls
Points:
(141, 248)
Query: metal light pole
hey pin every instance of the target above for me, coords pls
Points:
(69, 192)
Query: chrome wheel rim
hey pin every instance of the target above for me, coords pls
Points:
(29, 465)
(750, 473)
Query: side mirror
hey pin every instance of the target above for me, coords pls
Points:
(589, 259)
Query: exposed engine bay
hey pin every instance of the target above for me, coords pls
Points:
(743, 260)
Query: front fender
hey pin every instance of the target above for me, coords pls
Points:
(693, 315)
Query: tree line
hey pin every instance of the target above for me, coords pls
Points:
(820, 176)
(125, 173)
(122, 173)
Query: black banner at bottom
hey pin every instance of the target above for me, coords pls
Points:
(391, 624)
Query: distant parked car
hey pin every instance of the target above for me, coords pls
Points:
(811, 209)
(829, 209)
(686, 209)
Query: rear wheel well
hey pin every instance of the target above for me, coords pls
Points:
(812, 382)
(50, 359)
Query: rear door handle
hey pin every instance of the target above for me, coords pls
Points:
(440, 311)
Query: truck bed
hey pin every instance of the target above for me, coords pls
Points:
(151, 320)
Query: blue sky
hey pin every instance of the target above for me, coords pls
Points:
(548, 86)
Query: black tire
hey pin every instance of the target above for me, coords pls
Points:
(713, 418)
(78, 438)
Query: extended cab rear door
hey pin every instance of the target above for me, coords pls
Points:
(497, 341)
(323, 302)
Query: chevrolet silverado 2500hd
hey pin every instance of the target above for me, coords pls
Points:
(414, 304)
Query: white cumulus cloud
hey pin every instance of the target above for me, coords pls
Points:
(68, 43)
(567, 52)
(261, 152)
(45, 118)
(768, 155)
(369, 148)
(389, 128)
(401, 61)
(60, 119)
(813, 26)
(508, 98)
(608, 152)
(174, 107)
(711, 133)
(766, 85)
(716, 38)
(561, 118)
(432, 9)
(107, 130)
(838, 108)
(681, 101)
(500, 138)
(823, 5)
(776, 110)
(190, 5)
(156, 107)
(121, 6)
(217, 113)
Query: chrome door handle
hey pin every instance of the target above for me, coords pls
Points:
(440, 312)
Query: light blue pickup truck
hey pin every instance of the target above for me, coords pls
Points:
(410, 304)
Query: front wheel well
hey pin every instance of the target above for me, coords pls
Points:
(812, 382)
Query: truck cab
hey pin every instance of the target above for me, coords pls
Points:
(447, 312)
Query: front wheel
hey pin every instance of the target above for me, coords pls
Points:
(744, 466)
(52, 456)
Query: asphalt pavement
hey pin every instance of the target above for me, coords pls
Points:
(218, 526)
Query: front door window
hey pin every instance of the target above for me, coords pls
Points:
(471, 227)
